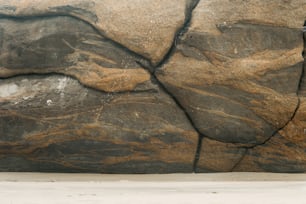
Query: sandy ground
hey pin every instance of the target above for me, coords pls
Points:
(244, 188)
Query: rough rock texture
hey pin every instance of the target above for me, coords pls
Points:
(126, 123)
(237, 80)
(143, 86)
(69, 46)
(236, 72)
(53, 123)
(286, 150)
(143, 26)
(219, 156)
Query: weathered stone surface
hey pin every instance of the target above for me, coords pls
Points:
(53, 123)
(286, 150)
(282, 13)
(80, 90)
(219, 156)
(69, 46)
(144, 26)
(236, 72)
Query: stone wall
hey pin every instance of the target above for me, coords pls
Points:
(152, 86)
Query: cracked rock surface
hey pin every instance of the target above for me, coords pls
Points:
(53, 123)
(286, 150)
(143, 26)
(152, 86)
(236, 72)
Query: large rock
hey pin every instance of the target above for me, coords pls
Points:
(51, 119)
(256, 50)
(69, 46)
(53, 123)
(128, 86)
(286, 150)
(237, 69)
(146, 27)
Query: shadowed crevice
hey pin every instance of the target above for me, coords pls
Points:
(180, 32)
(279, 129)
(198, 154)
(240, 160)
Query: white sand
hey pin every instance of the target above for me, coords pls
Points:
(244, 188)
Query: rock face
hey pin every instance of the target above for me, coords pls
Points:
(72, 47)
(152, 86)
(143, 26)
(53, 123)
(236, 72)
(241, 81)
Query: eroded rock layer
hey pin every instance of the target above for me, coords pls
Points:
(143, 26)
(238, 81)
(53, 123)
(152, 86)
(72, 47)
(286, 150)
(249, 66)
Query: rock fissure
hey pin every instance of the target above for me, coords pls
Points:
(179, 33)
(198, 154)
(240, 160)
(178, 104)
(276, 131)
(304, 56)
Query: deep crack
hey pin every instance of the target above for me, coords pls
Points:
(279, 129)
(240, 160)
(181, 31)
(198, 154)
(152, 69)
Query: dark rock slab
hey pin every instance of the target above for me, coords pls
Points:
(237, 78)
(146, 27)
(286, 150)
(72, 47)
(236, 72)
(54, 124)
